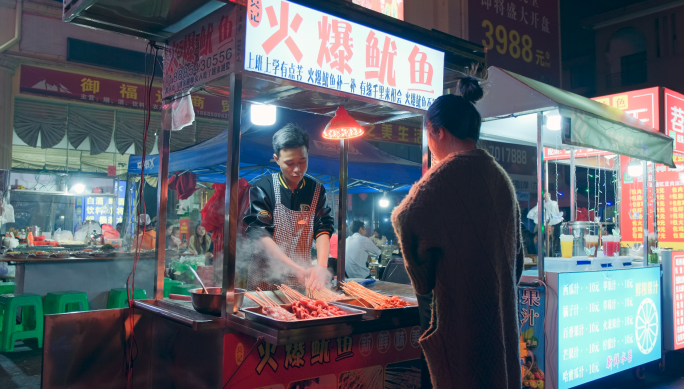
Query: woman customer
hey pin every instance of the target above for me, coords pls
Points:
(200, 243)
(472, 262)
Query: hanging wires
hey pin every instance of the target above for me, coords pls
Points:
(150, 50)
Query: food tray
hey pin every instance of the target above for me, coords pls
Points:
(255, 314)
(43, 256)
(374, 314)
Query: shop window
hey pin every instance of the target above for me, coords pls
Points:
(626, 56)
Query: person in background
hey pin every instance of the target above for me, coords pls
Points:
(119, 227)
(332, 255)
(473, 262)
(147, 239)
(357, 250)
(378, 238)
(176, 239)
(169, 231)
(200, 243)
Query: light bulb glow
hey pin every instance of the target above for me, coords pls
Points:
(384, 203)
(635, 169)
(79, 188)
(263, 115)
(553, 122)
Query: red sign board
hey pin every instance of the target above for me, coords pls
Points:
(674, 118)
(643, 104)
(99, 90)
(521, 36)
(670, 202)
(557, 154)
(678, 299)
(372, 360)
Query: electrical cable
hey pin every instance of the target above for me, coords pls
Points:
(259, 340)
(130, 291)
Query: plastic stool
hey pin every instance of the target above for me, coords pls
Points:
(6, 287)
(118, 297)
(10, 332)
(66, 301)
(168, 285)
(183, 289)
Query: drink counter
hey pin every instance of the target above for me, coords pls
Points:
(584, 325)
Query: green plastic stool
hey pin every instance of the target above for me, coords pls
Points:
(6, 287)
(66, 301)
(119, 299)
(10, 332)
(183, 289)
(168, 285)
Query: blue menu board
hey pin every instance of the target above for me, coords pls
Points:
(531, 303)
(608, 321)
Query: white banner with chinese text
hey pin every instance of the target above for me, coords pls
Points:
(290, 41)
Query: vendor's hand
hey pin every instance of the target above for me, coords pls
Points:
(208, 255)
(301, 274)
(319, 278)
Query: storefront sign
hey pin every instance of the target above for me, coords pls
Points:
(120, 189)
(99, 209)
(674, 118)
(608, 321)
(393, 8)
(300, 44)
(185, 228)
(643, 104)
(372, 360)
(551, 154)
(669, 199)
(531, 304)
(98, 90)
(673, 300)
(202, 52)
(520, 36)
(394, 133)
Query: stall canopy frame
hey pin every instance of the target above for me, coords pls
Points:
(514, 110)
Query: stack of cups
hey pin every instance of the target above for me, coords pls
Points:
(591, 244)
(566, 245)
(611, 246)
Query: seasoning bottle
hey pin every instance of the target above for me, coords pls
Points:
(29, 239)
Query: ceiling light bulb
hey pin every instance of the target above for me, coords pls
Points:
(263, 115)
(384, 202)
(635, 169)
(553, 122)
(79, 188)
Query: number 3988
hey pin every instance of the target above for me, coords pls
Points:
(508, 41)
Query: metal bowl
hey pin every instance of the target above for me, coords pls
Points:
(210, 304)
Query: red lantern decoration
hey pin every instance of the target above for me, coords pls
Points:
(342, 126)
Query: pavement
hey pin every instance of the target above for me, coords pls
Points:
(21, 369)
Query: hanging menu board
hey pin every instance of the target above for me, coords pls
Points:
(608, 321)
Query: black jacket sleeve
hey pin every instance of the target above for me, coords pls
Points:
(259, 217)
(323, 220)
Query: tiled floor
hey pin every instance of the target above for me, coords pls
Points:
(21, 369)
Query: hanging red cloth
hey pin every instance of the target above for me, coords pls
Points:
(185, 184)
(584, 215)
(213, 213)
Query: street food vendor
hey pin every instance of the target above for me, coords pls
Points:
(287, 212)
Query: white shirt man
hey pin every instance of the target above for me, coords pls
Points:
(357, 249)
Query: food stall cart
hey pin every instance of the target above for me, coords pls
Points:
(579, 321)
(175, 346)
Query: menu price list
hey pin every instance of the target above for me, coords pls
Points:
(678, 300)
(608, 321)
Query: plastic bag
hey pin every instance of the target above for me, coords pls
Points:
(62, 236)
(7, 270)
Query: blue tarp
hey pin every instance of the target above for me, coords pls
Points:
(208, 159)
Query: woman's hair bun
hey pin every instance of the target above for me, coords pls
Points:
(470, 89)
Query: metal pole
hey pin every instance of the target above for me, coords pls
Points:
(573, 187)
(540, 199)
(546, 177)
(655, 202)
(162, 195)
(231, 203)
(644, 216)
(618, 195)
(342, 214)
